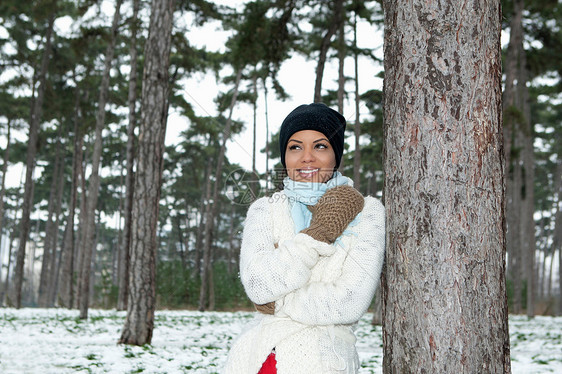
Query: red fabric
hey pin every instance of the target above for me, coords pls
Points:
(269, 366)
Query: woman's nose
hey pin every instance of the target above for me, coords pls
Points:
(308, 156)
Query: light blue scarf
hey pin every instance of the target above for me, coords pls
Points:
(301, 194)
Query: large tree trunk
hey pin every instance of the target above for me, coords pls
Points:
(124, 256)
(324, 46)
(444, 302)
(36, 115)
(141, 303)
(88, 240)
(211, 208)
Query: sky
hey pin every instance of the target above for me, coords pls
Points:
(297, 76)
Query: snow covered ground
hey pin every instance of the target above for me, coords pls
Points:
(57, 341)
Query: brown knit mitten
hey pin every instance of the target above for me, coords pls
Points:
(268, 308)
(334, 212)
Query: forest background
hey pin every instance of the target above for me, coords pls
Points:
(71, 69)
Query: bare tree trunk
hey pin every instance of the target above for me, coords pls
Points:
(560, 280)
(36, 115)
(94, 180)
(357, 130)
(528, 206)
(267, 172)
(66, 277)
(341, 76)
(124, 250)
(557, 241)
(5, 160)
(514, 220)
(341, 64)
(80, 234)
(512, 65)
(29, 294)
(548, 279)
(231, 255)
(5, 291)
(55, 264)
(254, 185)
(542, 255)
(141, 304)
(202, 215)
(324, 46)
(212, 206)
(444, 189)
(44, 280)
(255, 121)
(183, 242)
(377, 308)
(511, 130)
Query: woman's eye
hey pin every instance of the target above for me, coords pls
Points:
(293, 147)
(321, 146)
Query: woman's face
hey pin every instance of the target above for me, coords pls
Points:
(309, 157)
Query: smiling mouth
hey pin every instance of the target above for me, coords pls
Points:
(308, 171)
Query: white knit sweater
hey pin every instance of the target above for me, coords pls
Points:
(320, 290)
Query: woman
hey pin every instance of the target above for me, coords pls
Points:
(311, 257)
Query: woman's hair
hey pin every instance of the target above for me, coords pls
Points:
(277, 179)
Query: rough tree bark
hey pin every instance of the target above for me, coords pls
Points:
(444, 301)
(129, 178)
(141, 303)
(36, 115)
(88, 240)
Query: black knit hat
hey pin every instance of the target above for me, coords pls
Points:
(318, 117)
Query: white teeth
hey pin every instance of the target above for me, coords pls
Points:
(308, 171)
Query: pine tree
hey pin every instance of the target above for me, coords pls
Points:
(35, 121)
(141, 304)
